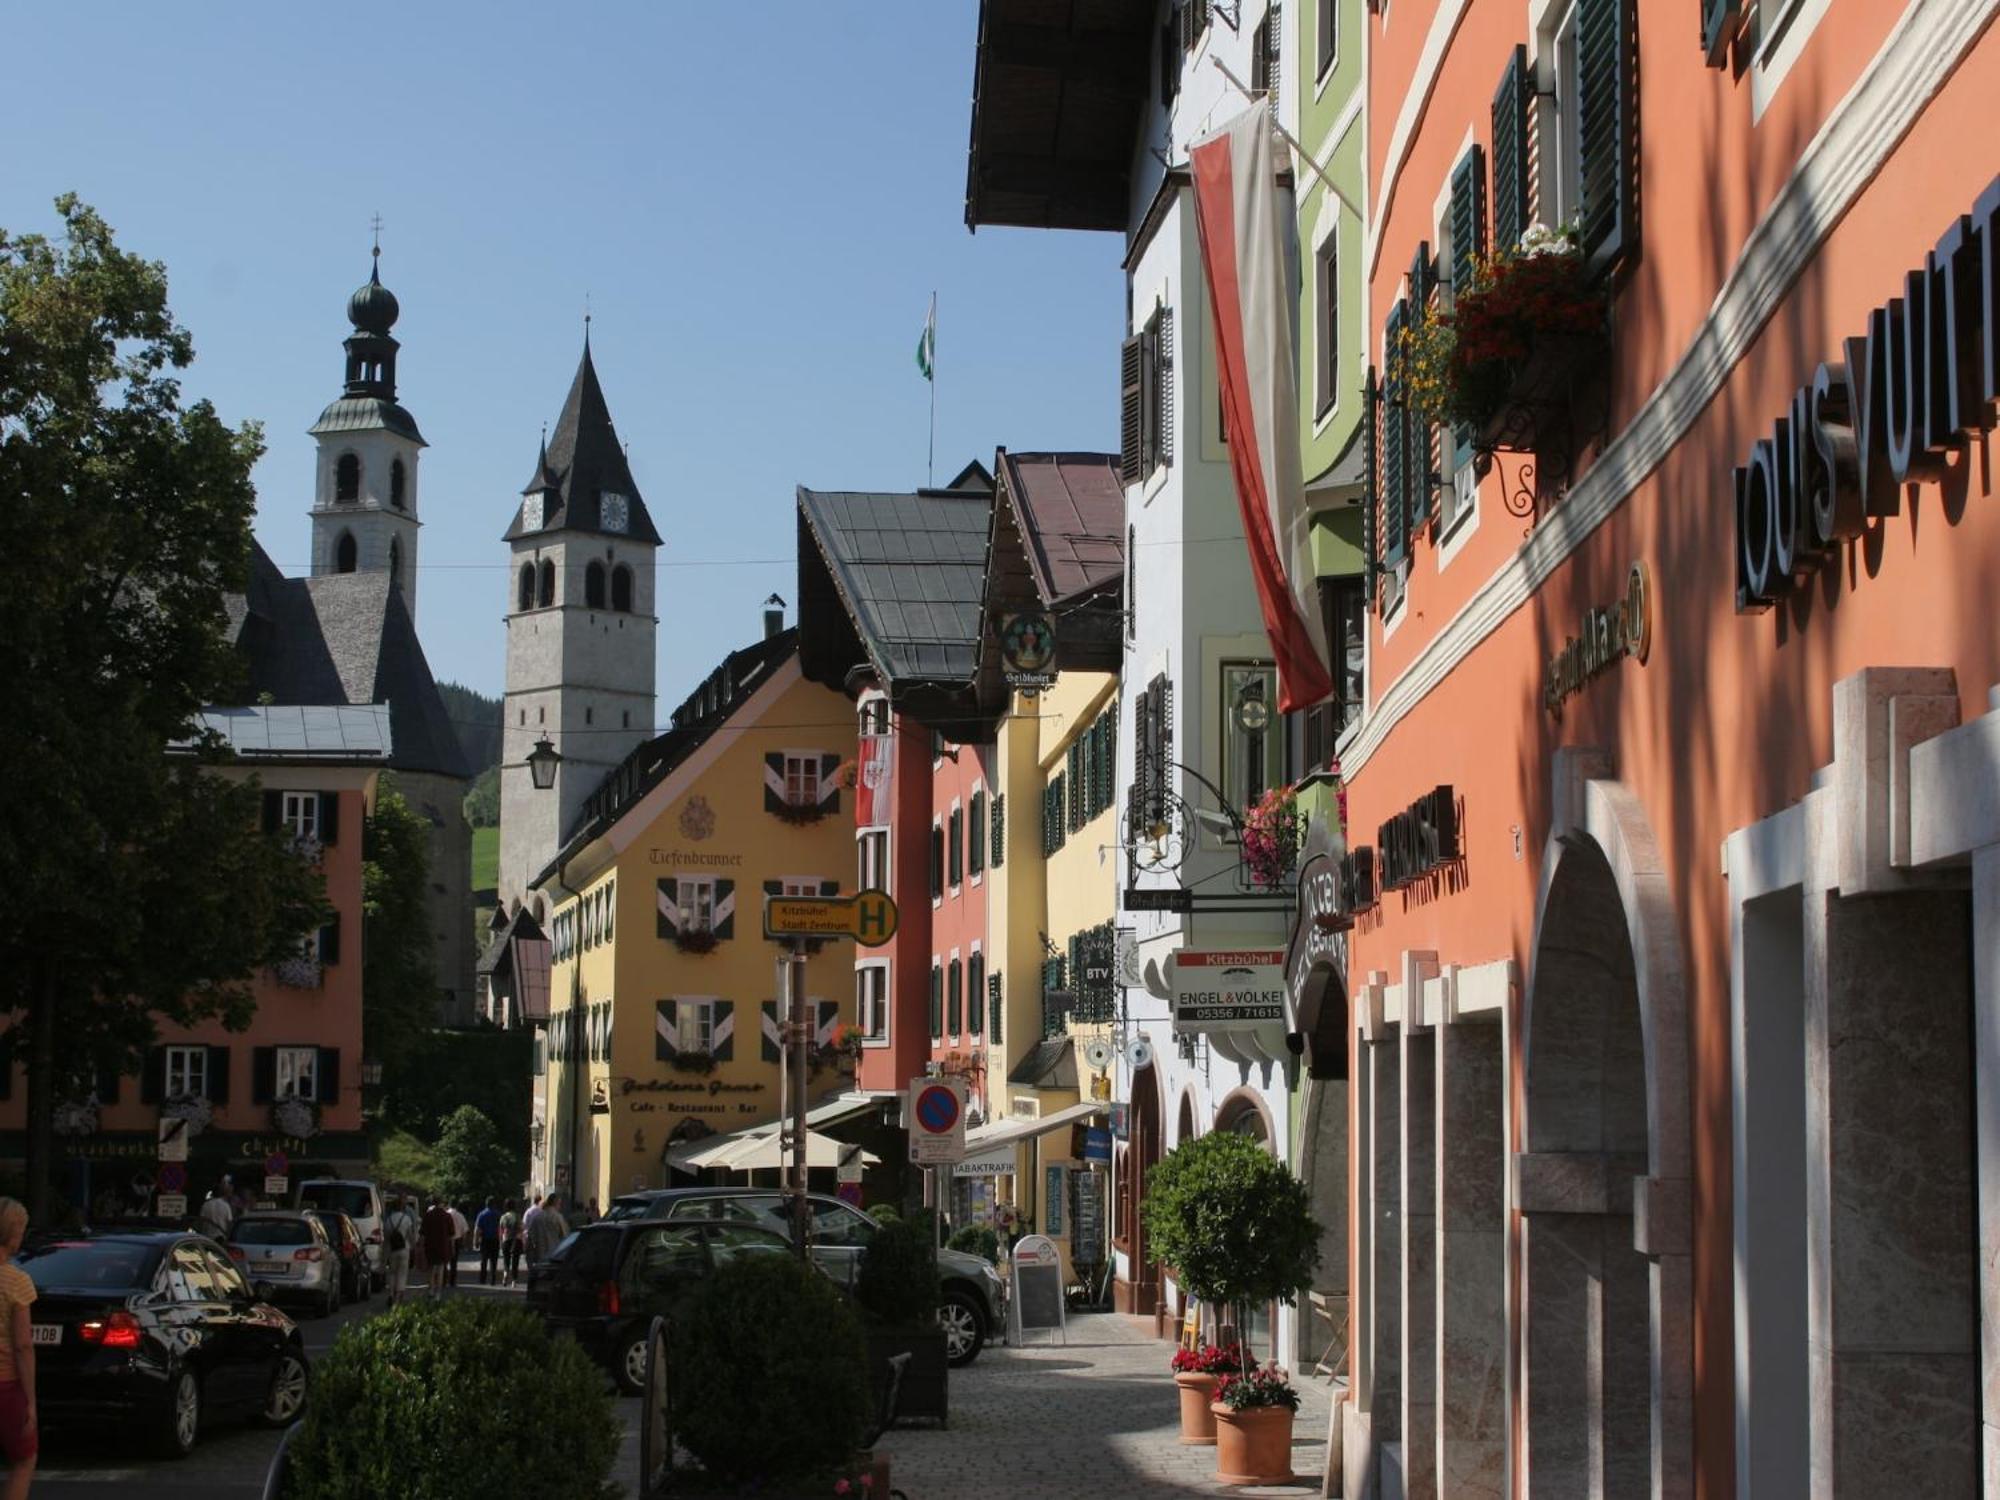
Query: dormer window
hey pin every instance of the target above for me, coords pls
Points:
(347, 477)
(531, 513)
(614, 510)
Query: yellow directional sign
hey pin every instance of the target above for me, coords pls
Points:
(869, 918)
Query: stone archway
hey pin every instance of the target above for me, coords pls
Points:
(1606, 1318)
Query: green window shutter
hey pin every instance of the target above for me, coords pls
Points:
(999, 830)
(1395, 482)
(975, 835)
(955, 999)
(1371, 484)
(1468, 218)
(1607, 174)
(1131, 408)
(1720, 22)
(975, 993)
(1510, 151)
(995, 989)
(1421, 472)
(937, 1002)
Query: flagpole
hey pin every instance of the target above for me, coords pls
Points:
(930, 459)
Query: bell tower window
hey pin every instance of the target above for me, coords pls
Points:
(395, 559)
(396, 484)
(621, 589)
(347, 478)
(344, 553)
(593, 586)
(527, 594)
(548, 589)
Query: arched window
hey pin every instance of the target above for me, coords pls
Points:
(621, 589)
(548, 590)
(395, 559)
(593, 586)
(347, 477)
(527, 596)
(344, 553)
(396, 484)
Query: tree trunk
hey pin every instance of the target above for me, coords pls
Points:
(41, 1096)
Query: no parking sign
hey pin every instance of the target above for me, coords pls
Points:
(937, 1121)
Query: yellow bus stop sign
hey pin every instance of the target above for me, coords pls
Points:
(869, 917)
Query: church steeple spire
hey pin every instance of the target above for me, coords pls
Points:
(371, 352)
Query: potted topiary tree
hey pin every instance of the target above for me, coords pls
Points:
(1237, 1228)
(897, 1287)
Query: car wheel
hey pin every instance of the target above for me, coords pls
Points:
(287, 1395)
(630, 1369)
(964, 1327)
(180, 1422)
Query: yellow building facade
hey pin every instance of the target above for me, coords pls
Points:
(664, 1015)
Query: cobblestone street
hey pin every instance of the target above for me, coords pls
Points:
(1097, 1416)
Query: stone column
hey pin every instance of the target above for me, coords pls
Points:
(1419, 1270)
(1986, 1062)
(1892, 1301)
(1471, 1261)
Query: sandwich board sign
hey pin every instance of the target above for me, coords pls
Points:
(1036, 1302)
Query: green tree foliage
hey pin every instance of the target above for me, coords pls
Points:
(771, 1375)
(1232, 1220)
(476, 717)
(455, 1400)
(140, 886)
(898, 1281)
(399, 985)
(482, 803)
(469, 1163)
(489, 1069)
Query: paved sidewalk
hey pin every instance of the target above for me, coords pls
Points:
(1098, 1416)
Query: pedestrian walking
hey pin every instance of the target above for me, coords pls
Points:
(510, 1241)
(528, 1229)
(460, 1228)
(436, 1233)
(399, 1237)
(218, 1213)
(486, 1230)
(20, 1436)
(548, 1230)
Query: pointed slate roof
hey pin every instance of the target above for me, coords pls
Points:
(344, 638)
(580, 462)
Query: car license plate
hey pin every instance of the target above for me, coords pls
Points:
(269, 1267)
(48, 1333)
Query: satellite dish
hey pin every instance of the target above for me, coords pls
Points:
(1098, 1055)
(1139, 1054)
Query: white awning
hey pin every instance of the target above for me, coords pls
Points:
(759, 1153)
(827, 1112)
(1012, 1131)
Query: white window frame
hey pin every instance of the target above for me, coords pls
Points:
(1777, 42)
(872, 974)
(696, 895)
(1326, 325)
(695, 1025)
(802, 785)
(800, 885)
(1235, 739)
(863, 842)
(872, 715)
(187, 1071)
(301, 814)
(1556, 77)
(1458, 484)
(1326, 23)
(297, 1073)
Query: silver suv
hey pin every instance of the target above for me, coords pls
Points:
(969, 1307)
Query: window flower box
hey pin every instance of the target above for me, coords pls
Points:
(687, 1061)
(1271, 833)
(798, 814)
(695, 940)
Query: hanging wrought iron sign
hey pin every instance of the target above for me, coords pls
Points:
(1028, 651)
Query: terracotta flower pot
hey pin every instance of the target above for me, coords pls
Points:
(1253, 1446)
(1197, 1420)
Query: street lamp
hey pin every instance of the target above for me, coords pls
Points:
(542, 763)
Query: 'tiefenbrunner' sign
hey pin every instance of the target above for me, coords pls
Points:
(1228, 989)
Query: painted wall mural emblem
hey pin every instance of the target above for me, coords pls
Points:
(697, 819)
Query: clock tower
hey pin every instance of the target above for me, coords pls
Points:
(580, 629)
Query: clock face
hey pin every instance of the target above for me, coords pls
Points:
(614, 510)
(531, 513)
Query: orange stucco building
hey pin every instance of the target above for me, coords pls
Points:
(1674, 1061)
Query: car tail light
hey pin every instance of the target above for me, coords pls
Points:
(119, 1331)
(607, 1298)
(374, 1236)
(235, 1252)
(311, 1252)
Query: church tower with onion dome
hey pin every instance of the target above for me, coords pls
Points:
(580, 630)
(364, 514)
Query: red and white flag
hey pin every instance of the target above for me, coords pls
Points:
(1241, 220)
(875, 772)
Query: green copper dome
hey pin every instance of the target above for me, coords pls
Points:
(374, 308)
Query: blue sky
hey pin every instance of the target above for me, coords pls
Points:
(758, 200)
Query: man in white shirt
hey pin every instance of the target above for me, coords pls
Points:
(460, 1227)
(218, 1214)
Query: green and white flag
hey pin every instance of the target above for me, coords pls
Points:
(927, 345)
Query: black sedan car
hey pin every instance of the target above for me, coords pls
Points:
(156, 1333)
(605, 1283)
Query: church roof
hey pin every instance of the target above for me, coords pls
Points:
(344, 638)
(366, 414)
(584, 460)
